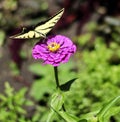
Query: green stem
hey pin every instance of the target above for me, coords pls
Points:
(56, 77)
(57, 83)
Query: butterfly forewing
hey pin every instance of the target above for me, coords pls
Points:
(51, 22)
(41, 29)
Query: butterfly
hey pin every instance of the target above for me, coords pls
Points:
(41, 29)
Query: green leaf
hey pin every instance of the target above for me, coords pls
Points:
(9, 90)
(40, 87)
(68, 117)
(3, 98)
(40, 70)
(14, 68)
(67, 85)
(106, 108)
(20, 110)
(57, 100)
(56, 104)
(83, 39)
(113, 111)
(89, 117)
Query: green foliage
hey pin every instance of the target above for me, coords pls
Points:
(103, 115)
(11, 105)
(98, 79)
(106, 112)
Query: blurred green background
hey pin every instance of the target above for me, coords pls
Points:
(26, 85)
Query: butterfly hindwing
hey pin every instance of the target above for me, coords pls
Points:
(41, 29)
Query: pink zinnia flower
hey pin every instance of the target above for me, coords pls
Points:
(54, 50)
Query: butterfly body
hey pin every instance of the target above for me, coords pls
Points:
(41, 29)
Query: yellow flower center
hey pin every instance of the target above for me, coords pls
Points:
(53, 46)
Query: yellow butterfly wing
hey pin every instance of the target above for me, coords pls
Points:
(41, 29)
(49, 24)
(27, 35)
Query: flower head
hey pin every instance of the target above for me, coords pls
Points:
(54, 50)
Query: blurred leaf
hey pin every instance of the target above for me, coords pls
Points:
(9, 90)
(20, 110)
(90, 26)
(2, 37)
(39, 69)
(67, 71)
(83, 39)
(44, 5)
(116, 37)
(23, 54)
(14, 68)
(29, 103)
(2, 97)
(40, 87)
